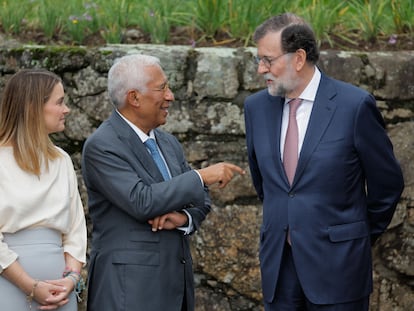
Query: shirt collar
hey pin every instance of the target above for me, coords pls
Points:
(309, 93)
(143, 136)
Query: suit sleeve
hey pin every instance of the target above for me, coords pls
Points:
(198, 213)
(253, 165)
(384, 179)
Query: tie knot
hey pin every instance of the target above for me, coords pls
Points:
(294, 104)
(151, 144)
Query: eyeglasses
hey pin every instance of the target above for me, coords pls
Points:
(163, 88)
(267, 61)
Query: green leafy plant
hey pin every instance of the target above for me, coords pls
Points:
(49, 17)
(402, 14)
(369, 17)
(325, 17)
(114, 18)
(217, 21)
(245, 16)
(209, 16)
(12, 15)
(157, 18)
(78, 23)
(112, 33)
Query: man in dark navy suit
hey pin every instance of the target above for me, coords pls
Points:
(324, 168)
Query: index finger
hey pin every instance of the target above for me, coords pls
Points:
(49, 307)
(236, 168)
(54, 305)
(162, 220)
(155, 224)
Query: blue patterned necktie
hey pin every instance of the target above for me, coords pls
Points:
(152, 146)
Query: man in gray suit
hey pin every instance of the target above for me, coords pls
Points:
(142, 213)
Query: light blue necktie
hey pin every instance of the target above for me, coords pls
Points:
(152, 146)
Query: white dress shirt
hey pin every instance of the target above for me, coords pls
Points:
(303, 113)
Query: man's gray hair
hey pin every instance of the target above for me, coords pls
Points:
(128, 73)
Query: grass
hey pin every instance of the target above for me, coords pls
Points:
(215, 20)
(370, 16)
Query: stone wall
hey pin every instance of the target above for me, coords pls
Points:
(210, 85)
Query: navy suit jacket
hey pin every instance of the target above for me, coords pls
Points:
(343, 196)
(131, 267)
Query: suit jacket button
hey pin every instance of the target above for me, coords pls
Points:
(183, 261)
(291, 194)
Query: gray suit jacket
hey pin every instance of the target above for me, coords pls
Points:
(131, 267)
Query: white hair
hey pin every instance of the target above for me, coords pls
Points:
(128, 73)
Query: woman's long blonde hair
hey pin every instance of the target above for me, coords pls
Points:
(22, 122)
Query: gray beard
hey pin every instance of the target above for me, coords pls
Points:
(280, 90)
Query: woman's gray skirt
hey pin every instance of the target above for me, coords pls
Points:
(40, 254)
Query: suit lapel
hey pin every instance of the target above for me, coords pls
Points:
(131, 140)
(323, 109)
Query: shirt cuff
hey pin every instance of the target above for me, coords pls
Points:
(201, 179)
(189, 228)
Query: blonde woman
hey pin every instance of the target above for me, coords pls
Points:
(42, 224)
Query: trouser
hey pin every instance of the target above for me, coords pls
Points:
(289, 294)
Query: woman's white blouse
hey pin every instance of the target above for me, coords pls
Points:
(51, 200)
